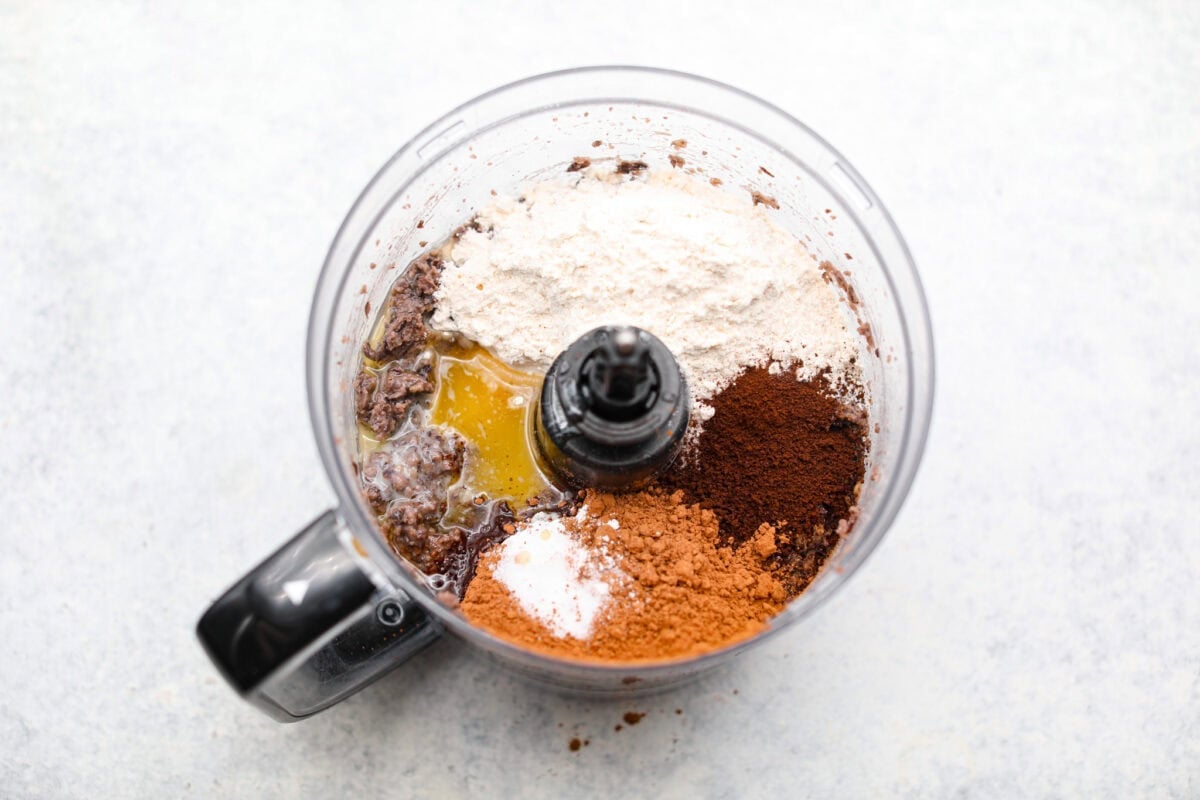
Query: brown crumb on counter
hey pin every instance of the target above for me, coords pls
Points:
(679, 144)
(676, 161)
(715, 181)
(597, 143)
(633, 717)
(766, 171)
(578, 163)
(630, 167)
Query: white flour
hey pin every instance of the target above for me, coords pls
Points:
(703, 269)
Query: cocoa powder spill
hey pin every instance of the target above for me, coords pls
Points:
(779, 451)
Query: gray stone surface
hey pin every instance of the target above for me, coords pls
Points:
(169, 180)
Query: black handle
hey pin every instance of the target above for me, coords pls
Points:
(307, 626)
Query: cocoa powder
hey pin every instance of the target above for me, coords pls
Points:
(686, 593)
(779, 451)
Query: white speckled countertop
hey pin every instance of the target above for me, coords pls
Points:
(169, 181)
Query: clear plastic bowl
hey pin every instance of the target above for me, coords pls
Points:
(534, 128)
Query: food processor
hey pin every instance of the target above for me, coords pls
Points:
(335, 608)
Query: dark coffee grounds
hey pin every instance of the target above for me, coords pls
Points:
(784, 452)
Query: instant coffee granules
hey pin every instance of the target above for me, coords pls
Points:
(781, 451)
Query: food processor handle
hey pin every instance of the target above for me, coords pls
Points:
(312, 624)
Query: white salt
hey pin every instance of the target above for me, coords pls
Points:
(554, 578)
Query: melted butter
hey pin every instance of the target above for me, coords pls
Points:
(491, 405)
